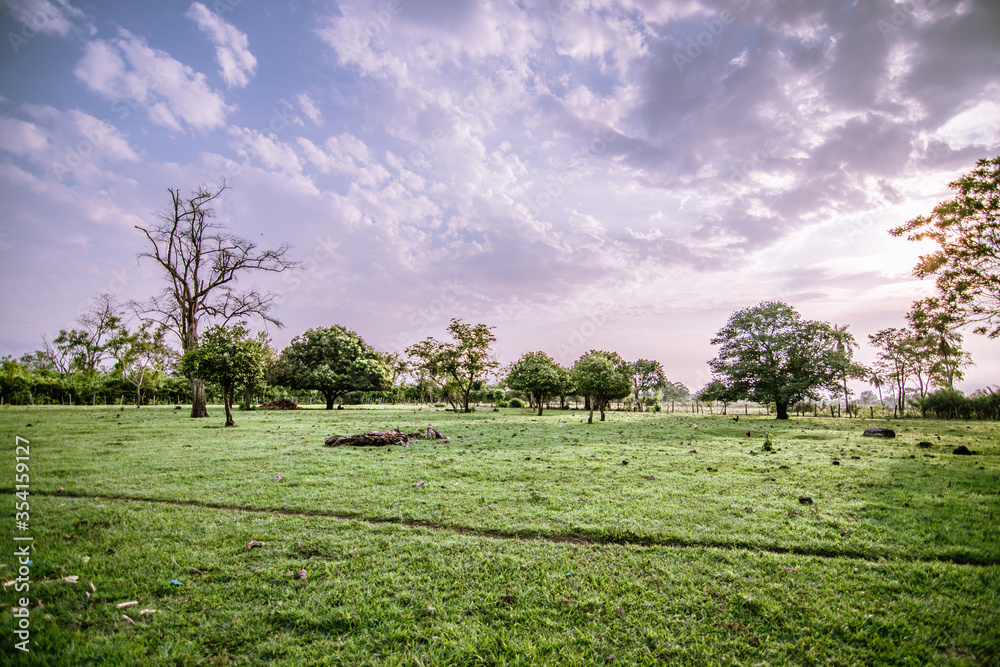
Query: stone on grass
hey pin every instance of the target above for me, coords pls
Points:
(879, 432)
(962, 450)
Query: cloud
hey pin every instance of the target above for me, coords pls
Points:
(132, 74)
(65, 145)
(309, 109)
(235, 60)
(51, 18)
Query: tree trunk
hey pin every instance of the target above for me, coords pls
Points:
(247, 397)
(199, 407)
(604, 404)
(540, 408)
(227, 399)
(590, 419)
(329, 400)
(782, 409)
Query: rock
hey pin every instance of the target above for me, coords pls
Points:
(924, 444)
(805, 500)
(879, 432)
(962, 450)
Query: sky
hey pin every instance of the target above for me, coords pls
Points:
(579, 174)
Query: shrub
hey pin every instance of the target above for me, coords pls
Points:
(657, 407)
(439, 405)
(503, 404)
(516, 403)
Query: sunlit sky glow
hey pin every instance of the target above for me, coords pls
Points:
(610, 174)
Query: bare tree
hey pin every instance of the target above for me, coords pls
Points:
(203, 262)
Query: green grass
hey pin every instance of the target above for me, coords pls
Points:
(531, 540)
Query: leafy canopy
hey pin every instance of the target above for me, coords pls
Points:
(966, 264)
(538, 374)
(770, 354)
(333, 361)
(602, 376)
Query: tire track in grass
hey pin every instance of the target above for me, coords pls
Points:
(583, 540)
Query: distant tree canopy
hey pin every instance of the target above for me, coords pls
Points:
(602, 377)
(647, 376)
(967, 262)
(333, 361)
(538, 374)
(229, 356)
(770, 354)
(456, 366)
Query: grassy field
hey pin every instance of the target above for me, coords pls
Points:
(525, 540)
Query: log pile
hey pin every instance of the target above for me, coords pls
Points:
(279, 404)
(384, 438)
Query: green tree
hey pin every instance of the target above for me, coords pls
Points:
(228, 356)
(647, 376)
(938, 341)
(846, 367)
(538, 374)
(966, 264)
(894, 347)
(770, 354)
(603, 377)
(333, 361)
(142, 357)
(717, 392)
(456, 367)
(89, 346)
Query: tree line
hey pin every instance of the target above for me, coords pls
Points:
(767, 353)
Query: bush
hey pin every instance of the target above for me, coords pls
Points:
(503, 404)
(516, 403)
(439, 405)
(657, 407)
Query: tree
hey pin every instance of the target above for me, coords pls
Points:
(141, 357)
(203, 263)
(333, 361)
(647, 376)
(459, 365)
(846, 367)
(716, 392)
(966, 229)
(938, 342)
(603, 377)
(770, 354)
(893, 364)
(88, 347)
(538, 374)
(227, 356)
(266, 359)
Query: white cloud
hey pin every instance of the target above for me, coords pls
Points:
(309, 109)
(51, 18)
(67, 145)
(231, 46)
(131, 73)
